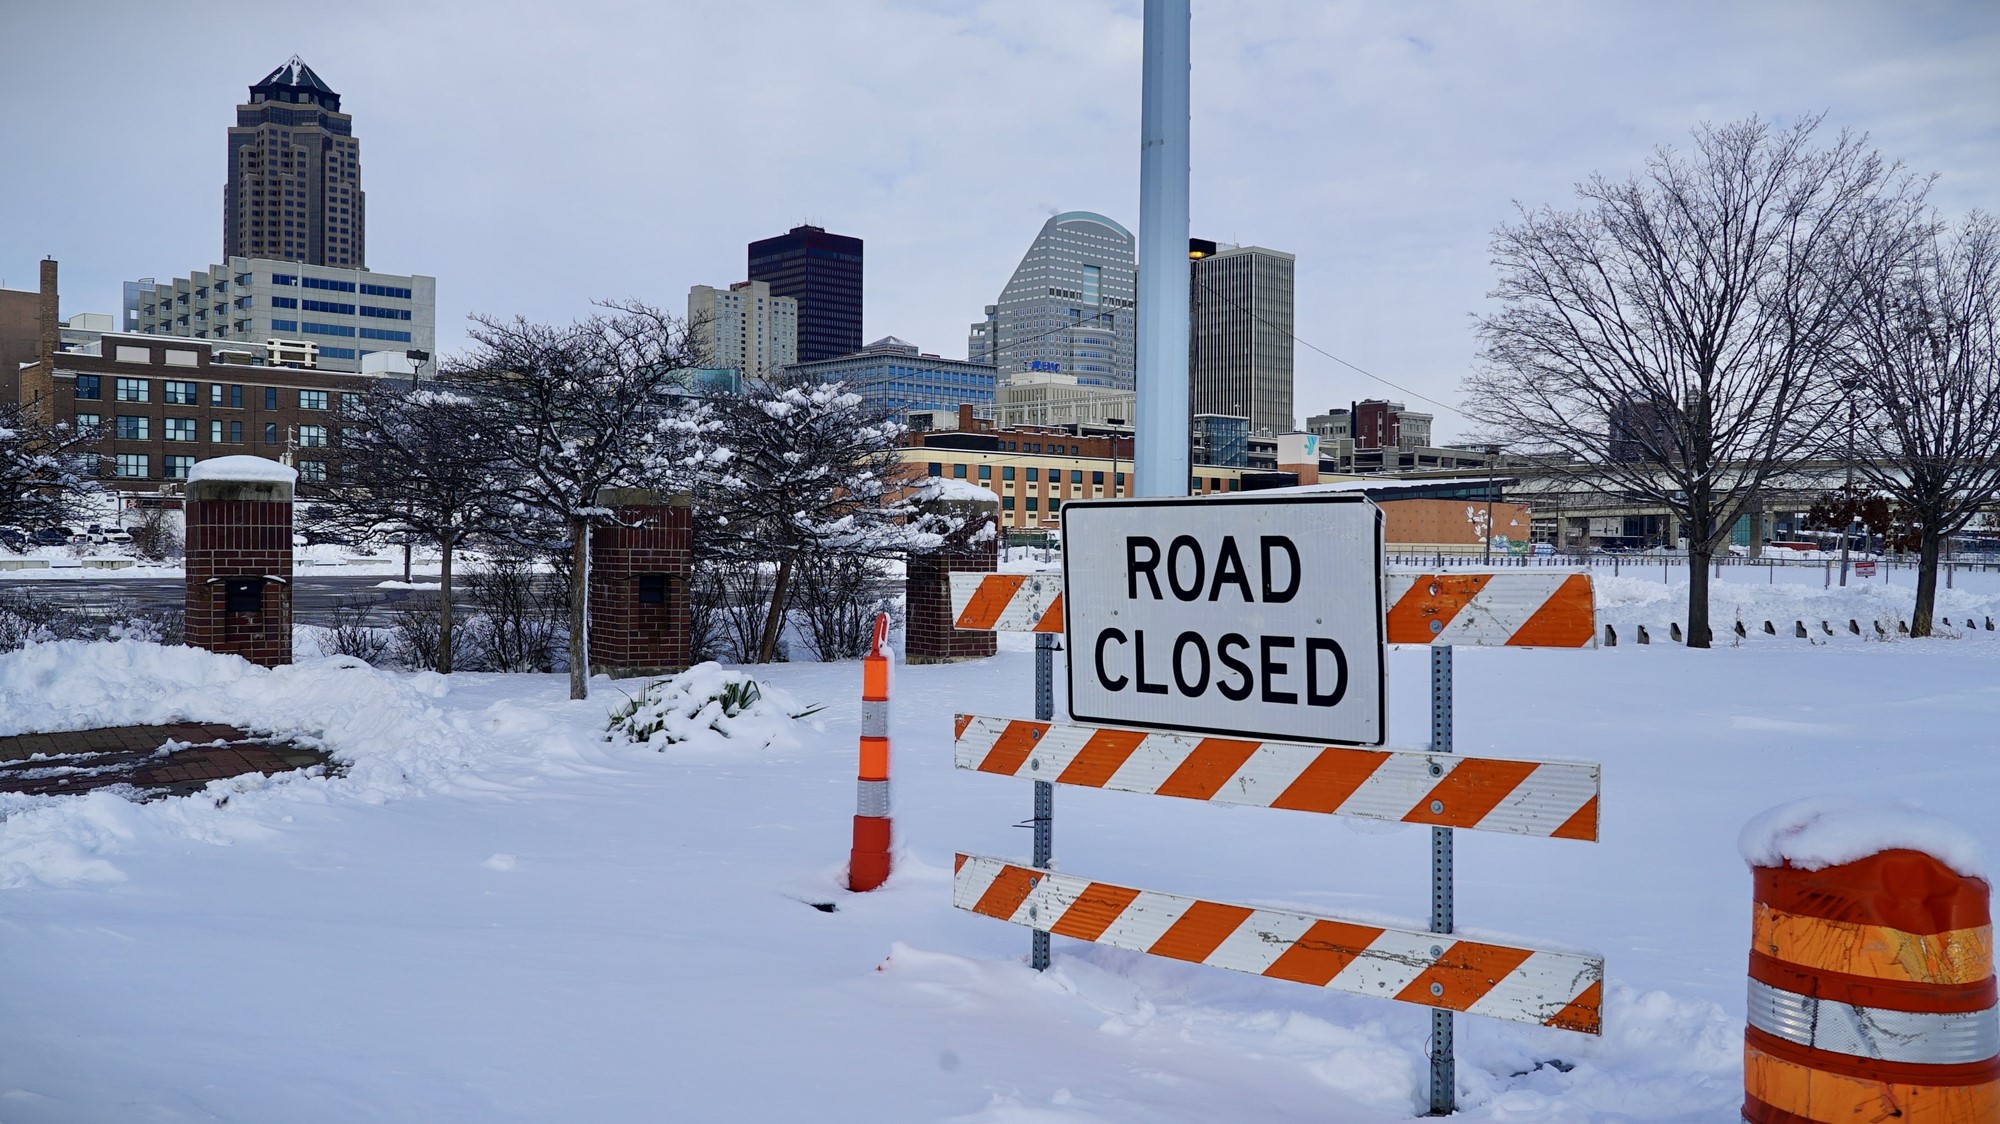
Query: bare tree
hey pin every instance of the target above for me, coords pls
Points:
(1672, 338)
(812, 471)
(1923, 357)
(45, 470)
(419, 459)
(583, 407)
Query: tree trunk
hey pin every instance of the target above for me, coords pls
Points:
(1699, 557)
(444, 605)
(1927, 575)
(774, 622)
(579, 607)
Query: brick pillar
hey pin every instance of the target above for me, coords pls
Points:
(239, 558)
(973, 548)
(639, 570)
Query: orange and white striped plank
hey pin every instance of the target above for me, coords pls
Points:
(1525, 610)
(1528, 985)
(1551, 799)
(1007, 602)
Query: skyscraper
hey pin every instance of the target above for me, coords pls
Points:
(1069, 311)
(745, 327)
(823, 273)
(1240, 336)
(294, 191)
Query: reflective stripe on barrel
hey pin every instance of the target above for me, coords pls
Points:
(1871, 995)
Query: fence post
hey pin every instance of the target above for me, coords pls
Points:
(1444, 1072)
(1871, 991)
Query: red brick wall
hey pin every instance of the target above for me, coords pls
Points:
(928, 634)
(626, 637)
(230, 536)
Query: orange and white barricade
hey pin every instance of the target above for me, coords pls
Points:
(1871, 993)
(868, 864)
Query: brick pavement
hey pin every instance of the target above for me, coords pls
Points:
(140, 756)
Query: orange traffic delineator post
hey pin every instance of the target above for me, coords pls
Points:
(1871, 994)
(868, 865)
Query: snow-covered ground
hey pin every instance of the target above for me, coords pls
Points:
(496, 915)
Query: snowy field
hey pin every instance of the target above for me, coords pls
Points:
(496, 915)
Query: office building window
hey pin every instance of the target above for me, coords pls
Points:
(132, 466)
(1034, 474)
(958, 471)
(270, 398)
(133, 428)
(178, 467)
(236, 433)
(937, 469)
(385, 291)
(312, 436)
(1076, 476)
(215, 394)
(270, 433)
(215, 432)
(385, 313)
(179, 393)
(385, 334)
(1097, 478)
(180, 429)
(284, 302)
(284, 325)
(327, 306)
(986, 472)
(88, 386)
(336, 353)
(284, 279)
(134, 390)
(312, 472)
(1007, 472)
(325, 283)
(317, 329)
(89, 423)
(350, 402)
(312, 399)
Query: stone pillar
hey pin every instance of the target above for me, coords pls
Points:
(639, 571)
(973, 547)
(239, 558)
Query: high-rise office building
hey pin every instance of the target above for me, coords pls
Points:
(1070, 310)
(893, 376)
(745, 327)
(336, 317)
(294, 191)
(822, 272)
(1240, 336)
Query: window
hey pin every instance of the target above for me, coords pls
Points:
(87, 423)
(986, 472)
(285, 302)
(215, 394)
(350, 402)
(324, 283)
(88, 386)
(235, 397)
(236, 433)
(1034, 503)
(312, 436)
(177, 467)
(385, 334)
(134, 390)
(937, 469)
(1007, 472)
(327, 306)
(284, 325)
(315, 329)
(132, 428)
(336, 352)
(132, 466)
(180, 429)
(270, 433)
(1076, 476)
(312, 399)
(958, 471)
(1006, 503)
(180, 393)
(270, 398)
(1055, 505)
(1034, 474)
(1097, 478)
(215, 432)
(312, 472)
(385, 313)
(284, 279)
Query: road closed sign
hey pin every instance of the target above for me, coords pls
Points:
(1239, 615)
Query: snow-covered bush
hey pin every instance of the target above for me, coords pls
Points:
(708, 699)
(26, 618)
(353, 632)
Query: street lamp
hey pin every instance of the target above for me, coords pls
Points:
(1847, 491)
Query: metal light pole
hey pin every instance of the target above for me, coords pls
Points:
(1847, 490)
(1160, 437)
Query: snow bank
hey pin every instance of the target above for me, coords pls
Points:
(242, 468)
(1824, 831)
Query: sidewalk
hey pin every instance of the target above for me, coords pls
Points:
(159, 761)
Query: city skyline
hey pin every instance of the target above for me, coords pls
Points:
(1381, 146)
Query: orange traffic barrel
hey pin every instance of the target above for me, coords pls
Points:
(1871, 992)
(868, 863)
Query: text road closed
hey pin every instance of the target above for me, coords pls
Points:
(1243, 615)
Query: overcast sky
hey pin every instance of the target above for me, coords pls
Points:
(534, 157)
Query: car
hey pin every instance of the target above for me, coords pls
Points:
(54, 536)
(13, 538)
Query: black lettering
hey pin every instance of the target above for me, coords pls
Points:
(1134, 567)
(1271, 668)
(1241, 691)
(1181, 644)
(1229, 569)
(1187, 543)
(1103, 638)
(1139, 665)
(1314, 646)
(1275, 596)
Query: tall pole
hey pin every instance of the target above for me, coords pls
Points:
(1847, 493)
(1160, 437)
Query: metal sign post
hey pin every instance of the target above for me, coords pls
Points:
(1444, 1075)
(1045, 791)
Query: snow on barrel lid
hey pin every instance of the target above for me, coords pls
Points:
(1823, 831)
(241, 467)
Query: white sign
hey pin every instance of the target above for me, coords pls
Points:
(1240, 615)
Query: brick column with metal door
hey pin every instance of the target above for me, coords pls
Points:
(239, 558)
(639, 569)
(973, 546)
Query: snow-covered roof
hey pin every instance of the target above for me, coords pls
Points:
(950, 488)
(243, 468)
